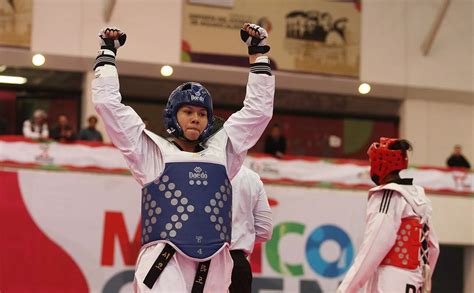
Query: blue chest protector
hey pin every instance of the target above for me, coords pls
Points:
(190, 206)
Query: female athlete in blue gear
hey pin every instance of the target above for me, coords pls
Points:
(186, 193)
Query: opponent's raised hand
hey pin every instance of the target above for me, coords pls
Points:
(112, 38)
(255, 37)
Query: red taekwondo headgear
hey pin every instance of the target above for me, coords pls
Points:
(384, 160)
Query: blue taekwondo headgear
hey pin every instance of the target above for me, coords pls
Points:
(189, 93)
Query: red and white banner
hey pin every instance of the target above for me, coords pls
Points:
(60, 230)
(349, 174)
(21, 152)
(354, 174)
(79, 232)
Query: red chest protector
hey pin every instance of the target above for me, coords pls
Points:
(406, 251)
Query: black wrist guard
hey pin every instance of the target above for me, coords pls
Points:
(111, 48)
(258, 49)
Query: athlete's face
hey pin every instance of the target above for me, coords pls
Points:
(192, 120)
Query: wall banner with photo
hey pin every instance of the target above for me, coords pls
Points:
(15, 22)
(313, 36)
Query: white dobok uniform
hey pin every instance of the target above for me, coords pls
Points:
(251, 213)
(147, 153)
(396, 213)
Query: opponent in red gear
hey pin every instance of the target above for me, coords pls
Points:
(400, 249)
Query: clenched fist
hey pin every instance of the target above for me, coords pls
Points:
(255, 37)
(112, 38)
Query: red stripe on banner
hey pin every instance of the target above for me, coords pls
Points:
(444, 169)
(349, 161)
(30, 261)
(19, 138)
(335, 185)
(97, 170)
(11, 164)
(311, 159)
(285, 157)
(15, 138)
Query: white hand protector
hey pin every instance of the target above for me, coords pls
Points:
(255, 37)
(112, 38)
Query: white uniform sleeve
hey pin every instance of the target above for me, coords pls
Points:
(262, 215)
(124, 127)
(384, 211)
(433, 245)
(245, 127)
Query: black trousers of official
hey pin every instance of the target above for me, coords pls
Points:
(241, 273)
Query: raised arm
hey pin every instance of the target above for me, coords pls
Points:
(245, 127)
(123, 125)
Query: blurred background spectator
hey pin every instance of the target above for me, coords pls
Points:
(90, 132)
(36, 127)
(275, 143)
(62, 132)
(457, 159)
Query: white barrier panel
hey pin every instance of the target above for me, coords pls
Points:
(355, 174)
(23, 151)
(348, 174)
(64, 227)
(315, 238)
